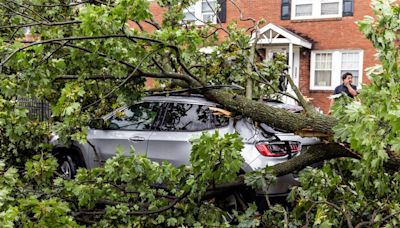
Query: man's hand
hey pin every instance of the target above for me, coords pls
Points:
(346, 82)
(352, 91)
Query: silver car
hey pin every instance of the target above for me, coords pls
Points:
(162, 126)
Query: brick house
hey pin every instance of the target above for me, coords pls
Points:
(319, 37)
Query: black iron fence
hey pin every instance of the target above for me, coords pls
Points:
(38, 110)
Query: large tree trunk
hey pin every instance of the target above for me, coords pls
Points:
(314, 124)
(305, 124)
(314, 154)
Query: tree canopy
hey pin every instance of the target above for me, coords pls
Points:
(86, 58)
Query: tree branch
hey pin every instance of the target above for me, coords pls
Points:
(172, 75)
(312, 155)
(126, 79)
(158, 65)
(58, 5)
(265, 82)
(307, 215)
(41, 23)
(241, 13)
(101, 55)
(154, 23)
(315, 153)
(29, 9)
(139, 25)
(346, 214)
(162, 75)
(52, 53)
(179, 60)
(371, 223)
(76, 39)
(306, 105)
(17, 13)
(13, 34)
(162, 209)
(318, 124)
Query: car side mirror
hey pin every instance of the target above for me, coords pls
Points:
(97, 123)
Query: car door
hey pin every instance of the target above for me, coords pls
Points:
(128, 128)
(182, 122)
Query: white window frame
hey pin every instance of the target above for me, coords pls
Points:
(316, 9)
(336, 77)
(198, 13)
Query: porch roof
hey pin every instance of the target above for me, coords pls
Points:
(274, 34)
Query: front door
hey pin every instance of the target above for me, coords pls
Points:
(129, 128)
(294, 70)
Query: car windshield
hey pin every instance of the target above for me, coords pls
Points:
(136, 117)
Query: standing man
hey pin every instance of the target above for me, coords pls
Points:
(347, 88)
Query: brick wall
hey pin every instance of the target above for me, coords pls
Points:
(304, 79)
(325, 34)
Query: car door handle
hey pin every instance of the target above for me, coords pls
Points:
(136, 139)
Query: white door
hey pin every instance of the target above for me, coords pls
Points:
(293, 64)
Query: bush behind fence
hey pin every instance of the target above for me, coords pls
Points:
(38, 110)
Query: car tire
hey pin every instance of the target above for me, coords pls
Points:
(229, 202)
(67, 167)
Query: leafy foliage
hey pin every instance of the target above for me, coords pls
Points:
(216, 158)
(128, 191)
(30, 199)
(88, 57)
(347, 192)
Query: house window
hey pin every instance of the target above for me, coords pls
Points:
(303, 9)
(190, 14)
(351, 63)
(208, 10)
(323, 69)
(327, 67)
(201, 12)
(310, 9)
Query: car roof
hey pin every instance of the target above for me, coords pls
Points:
(181, 99)
(189, 99)
(200, 99)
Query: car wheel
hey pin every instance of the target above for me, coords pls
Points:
(230, 202)
(67, 167)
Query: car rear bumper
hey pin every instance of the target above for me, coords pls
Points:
(281, 187)
(283, 184)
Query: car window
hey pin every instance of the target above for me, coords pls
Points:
(187, 117)
(137, 117)
(220, 120)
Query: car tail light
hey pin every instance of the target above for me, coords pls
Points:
(295, 147)
(278, 149)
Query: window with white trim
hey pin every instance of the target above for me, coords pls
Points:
(201, 12)
(310, 9)
(351, 64)
(327, 67)
(323, 69)
(190, 14)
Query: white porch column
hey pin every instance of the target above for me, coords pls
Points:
(290, 70)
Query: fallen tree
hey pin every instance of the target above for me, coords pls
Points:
(84, 59)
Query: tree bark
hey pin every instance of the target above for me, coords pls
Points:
(300, 123)
(314, 154)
